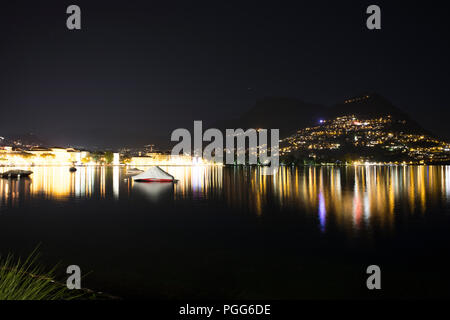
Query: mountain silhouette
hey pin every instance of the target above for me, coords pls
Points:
(290, 115)
(286, 114)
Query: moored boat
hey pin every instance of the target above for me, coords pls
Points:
(16, 174)
(154, 174)
(134, 171)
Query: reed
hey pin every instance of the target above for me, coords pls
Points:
(29, 280)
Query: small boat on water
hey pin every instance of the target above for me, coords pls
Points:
(154, 174)
(134, 171)
(16, 174)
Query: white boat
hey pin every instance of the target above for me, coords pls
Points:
(154, 174)
(134, 171)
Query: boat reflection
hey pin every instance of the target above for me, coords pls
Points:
(154, 191)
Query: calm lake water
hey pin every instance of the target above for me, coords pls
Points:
(307, 232)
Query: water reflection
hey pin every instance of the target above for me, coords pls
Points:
(350, 197)
(155, 192)
(354, 197)
(446, 179)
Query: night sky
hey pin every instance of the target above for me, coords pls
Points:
(139, 69)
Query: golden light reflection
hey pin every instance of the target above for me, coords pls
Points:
(355, 197)
(352, 197)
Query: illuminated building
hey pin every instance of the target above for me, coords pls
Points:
(41, 156)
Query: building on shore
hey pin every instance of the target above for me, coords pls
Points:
(39, 156)
(10, 156)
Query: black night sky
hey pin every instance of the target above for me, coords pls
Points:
(139, 69)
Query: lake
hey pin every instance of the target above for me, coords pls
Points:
(234, 233)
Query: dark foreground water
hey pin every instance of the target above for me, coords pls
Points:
(234, 233)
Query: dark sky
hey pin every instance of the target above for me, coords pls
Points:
(139, 69)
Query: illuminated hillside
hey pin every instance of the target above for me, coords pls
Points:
(355, 139)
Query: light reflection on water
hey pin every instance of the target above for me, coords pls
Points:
(353, 197)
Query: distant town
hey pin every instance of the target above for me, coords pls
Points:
(19, 154)
(352, 140)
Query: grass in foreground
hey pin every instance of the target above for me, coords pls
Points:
(28, 280)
